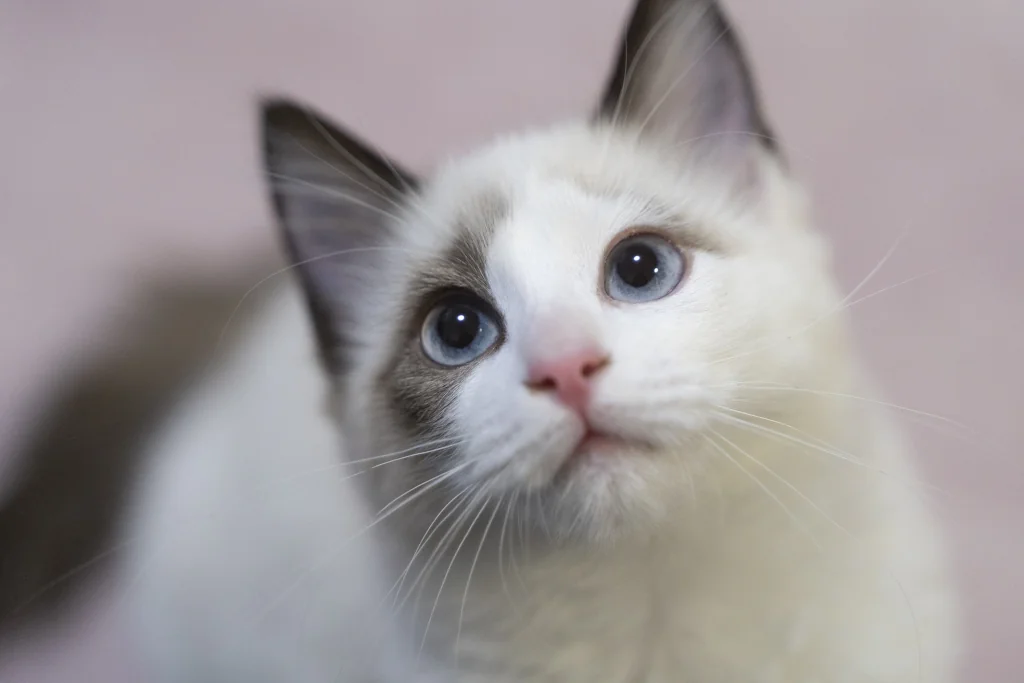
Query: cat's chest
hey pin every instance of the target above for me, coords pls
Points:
(667, 623)
(573, 637)
(675, 651)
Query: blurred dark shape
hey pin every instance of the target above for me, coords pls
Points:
(59, 517)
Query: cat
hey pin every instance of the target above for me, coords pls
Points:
(580, 406)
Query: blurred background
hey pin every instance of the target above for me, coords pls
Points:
(129, 156)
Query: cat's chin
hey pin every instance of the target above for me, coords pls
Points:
(610, 487)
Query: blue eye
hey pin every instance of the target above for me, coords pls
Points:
(459, 329)
(643, 268)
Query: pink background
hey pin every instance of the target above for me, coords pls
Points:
(128, 146)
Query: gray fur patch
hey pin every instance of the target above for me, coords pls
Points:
(416, 391)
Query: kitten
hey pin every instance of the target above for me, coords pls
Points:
(598, 409)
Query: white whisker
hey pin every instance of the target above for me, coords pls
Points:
(451, 563)
(824, 448)
(420, 488)
(501, 544)
(341, 544)
(472, 568)
(768, 386)
(760, 484)
(843, 305)
(406, 453)
(465, 498)
(431, 529)
(785, 482)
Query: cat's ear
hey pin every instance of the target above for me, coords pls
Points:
(337, 203)
(682, 75)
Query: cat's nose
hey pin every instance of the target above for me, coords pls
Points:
(568, 377)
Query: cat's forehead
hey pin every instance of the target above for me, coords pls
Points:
(551, 200)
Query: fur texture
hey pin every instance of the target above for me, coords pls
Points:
(754, 518)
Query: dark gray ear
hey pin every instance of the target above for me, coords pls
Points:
(337, 203)
(682, 75)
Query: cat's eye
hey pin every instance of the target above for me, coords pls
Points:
(643, 268)
(458, 329)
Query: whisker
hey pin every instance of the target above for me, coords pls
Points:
(65, 577)
(452, 442)
(785, 482)
(831, 450)
(441, 444)
(878, 266)
(451, 563)
(501, 437)
(128, 541)
(501, 544)
(510, 459)
(421, 488)
(472, 568)
(844, 304)
(839, 526)
(769, 386)
(889, 288)
(435, 481)
(825, 448)
(431, 529)
(760, 484)
(670, 401)
(440, 548)
(523, 533)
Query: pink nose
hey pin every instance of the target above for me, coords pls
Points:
(568, 377)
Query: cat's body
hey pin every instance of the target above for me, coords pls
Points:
(708, 493)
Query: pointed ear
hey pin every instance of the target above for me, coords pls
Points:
(682, 75)
(337, 203)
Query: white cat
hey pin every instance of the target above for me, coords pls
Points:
(601, 420)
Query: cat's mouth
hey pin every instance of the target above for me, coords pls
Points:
(597, 441)
(598, 444)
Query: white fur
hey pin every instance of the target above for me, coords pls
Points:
(731, 555)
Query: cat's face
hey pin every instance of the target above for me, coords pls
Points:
(559, 322)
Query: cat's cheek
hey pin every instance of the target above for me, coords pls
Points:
(486, 416)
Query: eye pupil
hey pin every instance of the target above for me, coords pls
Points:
(638, 265)
(458, 326)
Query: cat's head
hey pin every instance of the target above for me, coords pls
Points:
(560, 321)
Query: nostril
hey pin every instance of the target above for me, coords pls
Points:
(591, 368)
(547, 383)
